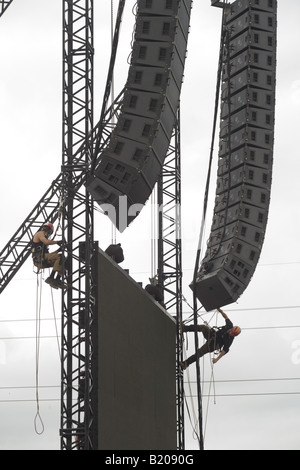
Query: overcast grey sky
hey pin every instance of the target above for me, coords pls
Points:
(257, 384)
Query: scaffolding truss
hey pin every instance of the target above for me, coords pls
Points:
(79, 303)
(170, 255)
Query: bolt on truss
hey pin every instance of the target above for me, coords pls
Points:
(170, 255)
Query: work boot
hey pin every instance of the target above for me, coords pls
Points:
(58, 284)
(51, 281)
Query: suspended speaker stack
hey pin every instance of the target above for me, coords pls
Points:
(245, 153)
(131, 163)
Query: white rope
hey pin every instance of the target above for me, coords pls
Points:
(211, 382)
(38, 417)
(153, 241)
(60, 212)
(211, 385)
(113, 228)
(55, 324)
(193, 417)
(38, 421)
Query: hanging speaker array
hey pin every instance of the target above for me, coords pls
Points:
(245, 153)
(131, 163)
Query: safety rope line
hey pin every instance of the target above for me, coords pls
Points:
(191, 409)
(205, 203)
(37, 344)
(107, 92)
(191, 413)
(154, 236)
(38, 417)
(113, 227)
(60, 212)
(55, 324)
(38, 421)
(212, 378)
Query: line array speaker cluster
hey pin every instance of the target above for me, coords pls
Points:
(131, 163)
(245, 153)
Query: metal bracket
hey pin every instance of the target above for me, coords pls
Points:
(218, 3)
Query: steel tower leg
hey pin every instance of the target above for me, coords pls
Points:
(78, 426)
(170, 255)
(4, 4)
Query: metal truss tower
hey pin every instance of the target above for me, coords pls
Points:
(79, 303)
(79, 344)
(170, 255)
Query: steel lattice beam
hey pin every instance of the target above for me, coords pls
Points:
(79, 426)
(17, 250)
(79, 299)
(170, 255)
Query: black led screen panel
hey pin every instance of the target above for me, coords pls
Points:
(136, 388)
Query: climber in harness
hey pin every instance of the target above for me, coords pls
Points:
(43, 259)
(216, 339)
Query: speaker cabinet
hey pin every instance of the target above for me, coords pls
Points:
(131, 163)
(245, 153)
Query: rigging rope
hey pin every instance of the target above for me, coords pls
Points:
(192, 414)
(190, 407)
(211, 381)
(55, 324)
(38, 421)
(108, 83)
(38, 417)
(153, 235)
(60, 212)
(113, 227)
(205, 203)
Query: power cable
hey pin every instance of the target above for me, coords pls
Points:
(29, 400)
(284, 307)
(273, 379)
(228, 395)
(14, 387)
(225, 395)
(282, 379)
(30, 337)
(244, 329)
